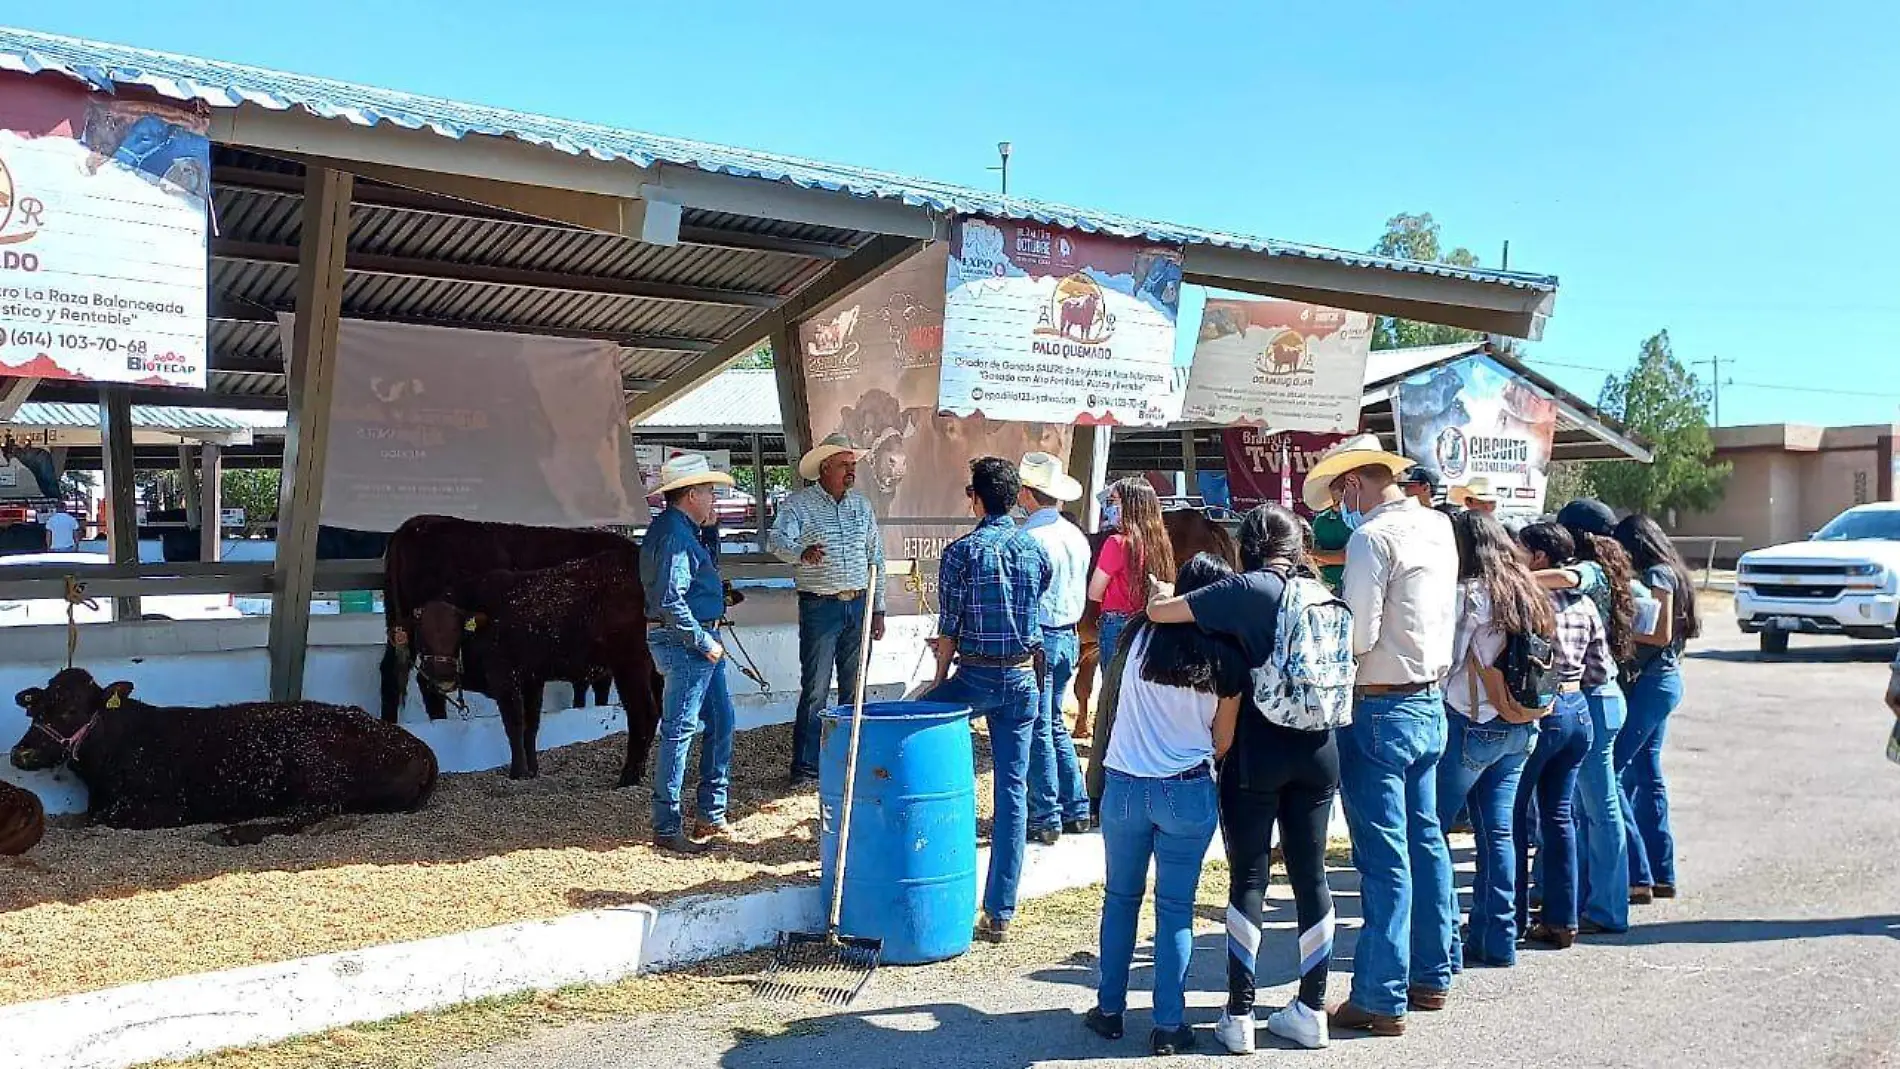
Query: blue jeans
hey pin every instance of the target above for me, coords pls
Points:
(1388, 780)
(1601, 847)
(1481, 767)
(1173, 821)
(1056, 789)
(1006, 699)
(830, 633)
(695, 696)
(1108, 639)
(1550, 781)
(1652, 847)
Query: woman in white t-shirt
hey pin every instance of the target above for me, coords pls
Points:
(1485, 755)
(1176, 698)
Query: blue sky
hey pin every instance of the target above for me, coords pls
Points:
(1726, 171)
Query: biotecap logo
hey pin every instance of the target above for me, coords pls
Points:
(390, 393)
(21, 216)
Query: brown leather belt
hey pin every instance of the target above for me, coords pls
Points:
(842, 595)
(977, 660)
(1384, 689)
(709, 625)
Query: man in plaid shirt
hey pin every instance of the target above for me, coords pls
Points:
(990, 583)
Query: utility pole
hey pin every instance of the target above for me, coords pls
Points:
(1002, 151)
(1715, 385)
(1505, 265)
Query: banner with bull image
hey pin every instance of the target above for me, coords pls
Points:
(1042, 323)
(871, 364)
(479, 425)
(1279, 364)
(1473, 419)
(102, 234)
(1269, 467)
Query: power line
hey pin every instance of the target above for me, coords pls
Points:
(1830, 391)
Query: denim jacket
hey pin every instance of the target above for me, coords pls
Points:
(681, 579)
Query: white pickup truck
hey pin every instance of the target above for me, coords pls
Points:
(43, 611)
(1843, 581)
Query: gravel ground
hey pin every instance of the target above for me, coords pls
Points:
(1783, 951)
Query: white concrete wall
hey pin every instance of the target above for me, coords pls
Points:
(215, 662)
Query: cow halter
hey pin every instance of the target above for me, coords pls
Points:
(70, 743)
(457, 697)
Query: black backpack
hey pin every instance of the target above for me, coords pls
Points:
(1522, 683)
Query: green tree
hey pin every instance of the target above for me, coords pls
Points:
(1662, 401)
(1569, 481)
(1415, 237)
(255, 491)
(757, 359)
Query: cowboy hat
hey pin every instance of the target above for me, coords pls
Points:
(689, 469)
(1043, 472)
(1359, 451)
(1477, 488)
(811, 462)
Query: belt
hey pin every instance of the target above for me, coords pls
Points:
(979, 660)
(1570, 688)
(710, 625)
(842, 595)
(1197, 772)
(1058, 627)
(1377, 689)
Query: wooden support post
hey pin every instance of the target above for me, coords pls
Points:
(1190, 465)
(794, 408)
(210, 503)
(122, 510)
(758, 488)
(312, 381)
(1088, 465)
(188, 483)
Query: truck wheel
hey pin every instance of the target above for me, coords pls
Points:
(1774, 642)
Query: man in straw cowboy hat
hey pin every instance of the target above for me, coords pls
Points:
(828, 533)
(685, 601)
(1058, 795)
(1401, 582)
(1476, 494)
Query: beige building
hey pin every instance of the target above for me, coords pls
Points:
(1790, 479)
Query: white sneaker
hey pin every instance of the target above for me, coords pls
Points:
(1301, 1024)
(1235, 1033)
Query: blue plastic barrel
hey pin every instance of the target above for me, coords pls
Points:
(910, 875)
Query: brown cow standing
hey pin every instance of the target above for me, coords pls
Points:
(22, 820)
(506, 633)
(429, 554)
(150, 767)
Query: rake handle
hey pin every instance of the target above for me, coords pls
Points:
(851, 759)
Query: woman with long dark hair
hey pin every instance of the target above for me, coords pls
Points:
(1484, 753)
(1655, 689)
(1133, 559)
(1563, 742)
(1274, 775)
(1171, 702)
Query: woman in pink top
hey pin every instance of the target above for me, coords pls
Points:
(1132, 557)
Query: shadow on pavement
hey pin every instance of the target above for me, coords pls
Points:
(1755, 931)
(1858, 653)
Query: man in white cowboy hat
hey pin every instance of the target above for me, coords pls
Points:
(828, 533)
(685, 601)
(1476, 494)
(1401, 582)
(1058, 795)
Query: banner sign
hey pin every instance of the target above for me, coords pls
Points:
(1269, 467)
(1293, 367)
(476, 424)
(1473, 419)
(872, 362)
(102, 235)
(1042, 323)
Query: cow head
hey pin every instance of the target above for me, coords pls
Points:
(888, 459)
(439, 631)
(61, 715)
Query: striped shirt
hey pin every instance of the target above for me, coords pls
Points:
(848, 531)
(991, 582)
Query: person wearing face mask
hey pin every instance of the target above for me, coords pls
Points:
(1401, 583)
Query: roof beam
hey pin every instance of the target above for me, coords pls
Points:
(231, 310)
(80, 393)
(1490, 307)
(517, 277)
(712, 192)
(878, 256)
(13, 394)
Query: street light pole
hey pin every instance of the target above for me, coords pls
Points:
(1002, 151)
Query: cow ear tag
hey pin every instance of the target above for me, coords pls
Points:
(470, 626)
(113, 702)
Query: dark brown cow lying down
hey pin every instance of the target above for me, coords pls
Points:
(152, 767)
(22, 820)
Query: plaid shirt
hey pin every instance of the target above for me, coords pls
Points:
(1583, 653)
(991, 582)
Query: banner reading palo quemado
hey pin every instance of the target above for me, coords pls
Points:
(1279, 364)
(1475, 419)
(1269, 467)
(481, 425)
(102, 235)
(1042, 323)
(871, 364)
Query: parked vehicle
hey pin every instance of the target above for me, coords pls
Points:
(25, 612)
(1843, 581)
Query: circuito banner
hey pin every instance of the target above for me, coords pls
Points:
(1473, 419)
(1269, 467)
(871, 366)
(102, 235)
(1059, 326)
(1278, 364)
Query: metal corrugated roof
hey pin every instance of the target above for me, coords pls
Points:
(736, 399)
(147, 417)
(228, 85)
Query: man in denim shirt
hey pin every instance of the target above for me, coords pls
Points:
(685, 601)
(991, 583)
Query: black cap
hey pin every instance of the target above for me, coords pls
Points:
(1587, 516)
(1420, 475)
